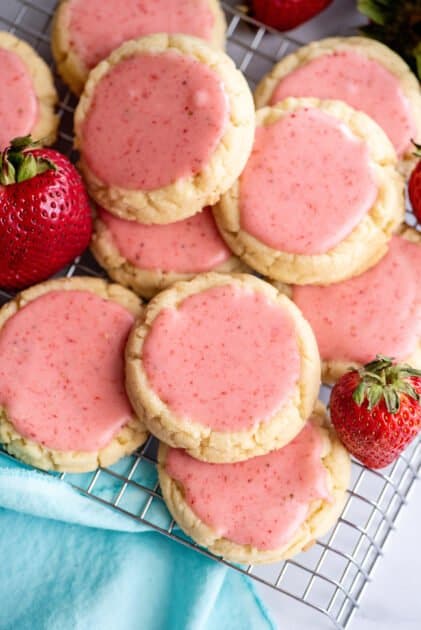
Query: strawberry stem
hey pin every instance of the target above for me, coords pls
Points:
(384, 379)
(17, 164)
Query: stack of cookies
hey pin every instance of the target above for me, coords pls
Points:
(164, 126)
(223, 369)
(157, 161)
(194, 191)
(226, 371)
(345, 256)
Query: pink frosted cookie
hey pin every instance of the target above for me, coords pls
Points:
(149, 258)
(319, 197)
(86, 31)
(62, 400)
(27, 94)
(181, 138)
(359, 71)
(224, 366)
(378, 312)
(266, 508)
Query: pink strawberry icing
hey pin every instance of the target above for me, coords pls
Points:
(362, 83)
(190, 246)
(376, 312)
(98, 27)
(307, 184)
(62, 370)
(260, 502)
(154, 119)
(18, 101)
(226, 358)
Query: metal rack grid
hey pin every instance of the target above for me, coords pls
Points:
(331, 576)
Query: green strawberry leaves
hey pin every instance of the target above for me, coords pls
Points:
(396, 23)
(384, 379)
(17, 164)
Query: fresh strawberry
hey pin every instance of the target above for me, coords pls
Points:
(45, 218)
(414, 186)
(287, 14)
(376, 410)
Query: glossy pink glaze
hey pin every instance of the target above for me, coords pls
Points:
(154, 119)
(307, 184)
(190, 246)
(227, 358)
(18, 101)
(98, 27)
(376, 312)
(362, 83)
(260, 502)
(62, 370)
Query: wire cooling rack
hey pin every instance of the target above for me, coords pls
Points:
(331, 576)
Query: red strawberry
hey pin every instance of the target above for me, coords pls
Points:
(414, 186)
(376, 410)
(45, 218)
(287, 14)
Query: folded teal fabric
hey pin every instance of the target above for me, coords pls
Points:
(68, 563)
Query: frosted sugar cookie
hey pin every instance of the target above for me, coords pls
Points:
(180, 139)
(224, 366)
(359, 71)
(86, 31)
(27, 95)
(149, 258)
(319, 197)
(378, 312)
(62, 399)
(264, 509)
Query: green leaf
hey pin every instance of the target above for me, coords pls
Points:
(409, 371)
(32, 166)
(384, 378)
(406, 388)
(22, 142)
(372, 376)
(374, 395)
(15, 158)
(396, 23)
(379, 363)
(417, 152)
(18, 164)
(45, 164)
(391, 399)
(359, 393)
(371, 10)
(7, 174)
(27, 169)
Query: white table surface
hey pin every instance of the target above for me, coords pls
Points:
(392, 601)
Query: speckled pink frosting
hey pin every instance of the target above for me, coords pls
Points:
(18, 101)
(62, 370)
(97, 27)
(226, 358)
(154, 119)
(193, 245)
(260, 502)
(307, 184)
(363, 83)
(378, 312)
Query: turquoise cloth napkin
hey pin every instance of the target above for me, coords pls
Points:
(67, 563)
